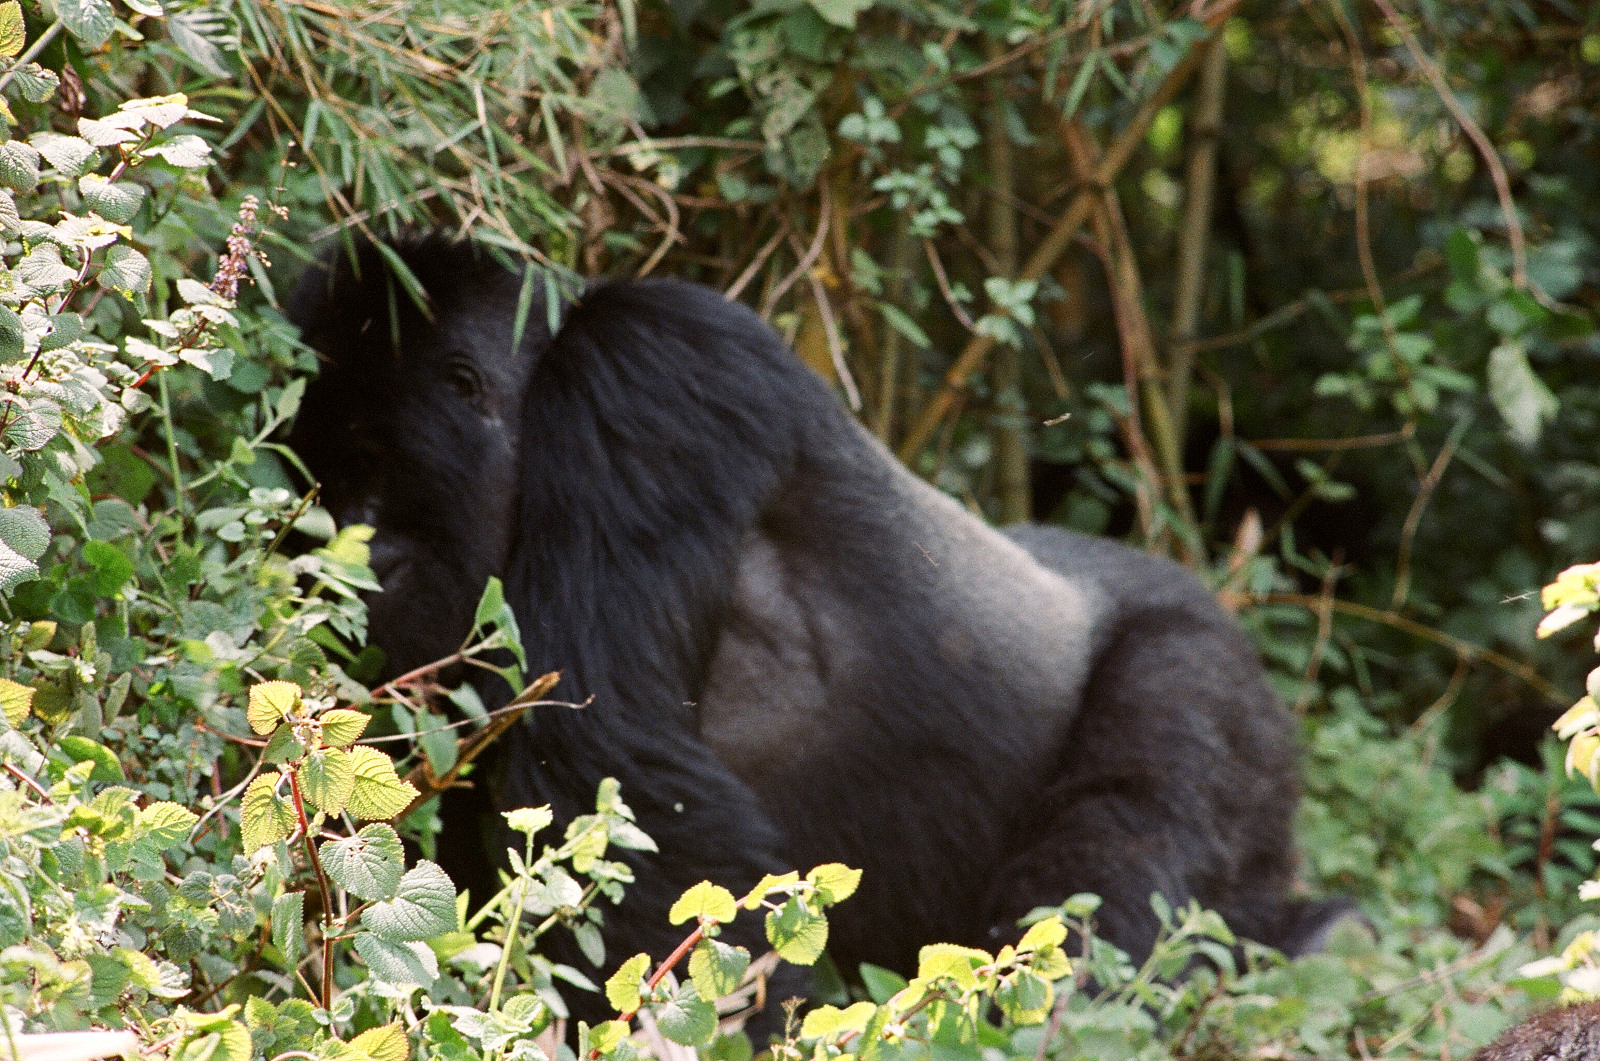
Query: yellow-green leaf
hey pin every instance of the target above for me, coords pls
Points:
(16, 700)
(623, 988)
(388, 1043)
(766, 884)
(13, 33)
(1044, 934)
(327, 777)
(704, 900)
(834, 882)
(265, 817)
(341, 726)
(378, 793)
(270, 704)
(939, 960)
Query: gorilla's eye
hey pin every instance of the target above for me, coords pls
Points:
(465, 381)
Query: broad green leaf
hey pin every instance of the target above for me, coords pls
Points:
(16, 700)
(165, 824)
(83, 750)
(13, 33)
(704, 900)
(386, 1043)
(830, 1020)
(25, 531)
(91, 22)
(687, 1018)
(717, 968)
(622, 989)
(163, 112)
(602, 1038)
(369, 864)
(111, 567)
(1522, 398)
(1025, 997)
(841, 13)
(270, 704)
(264, 816)
(834, 882)
(327, 777)
(19, 166)
(797, 934)
(71, 156)
(341, 726)
(939, 960)
(288, 926)
(1043, 934)
(424, 906)
(379, 794)
(125, 270)
(11, 334)
(103, 134)
(283, 746)
(15, 569)
(185, 152)
(43, 270)
(397, 962)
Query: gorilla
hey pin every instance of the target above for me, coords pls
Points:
(795, 651)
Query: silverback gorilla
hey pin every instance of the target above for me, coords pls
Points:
(797, 651)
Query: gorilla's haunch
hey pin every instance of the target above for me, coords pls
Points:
(798, 652)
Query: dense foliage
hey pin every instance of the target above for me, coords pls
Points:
(1302, 294)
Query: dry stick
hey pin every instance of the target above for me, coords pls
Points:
(1145, 396)
(806, 262)
(1194, 231)
(1465, 649)
(1408, 532)
(1491, 158)
(1010, 428)
(1064, 231)
(755, 265)
(471, 746)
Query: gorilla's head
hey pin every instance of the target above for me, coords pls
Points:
(412, 426)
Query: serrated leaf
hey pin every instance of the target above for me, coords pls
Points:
(368, 865)
(270, 704)
(264, 816)
(105, 133)
(830, 1020)
(797, 934)
(83, 750)
(1043, 934)
(185, 152)
(283, 746)
(341, 726)
(834, 882)
(125, 270)
(704, 900)
(159, 111)
(1025, 997)
(65, 329)
(424, 906)
(327, 777)
(379, 794)
(12, 334)
(388, 1043)
(70, 155)
(717, 968)
(25, 530)
(288, 926)
(10, 220)
(197, 294)
(529, 820)
(165, 824)
(16, 700)
(687, 1019)
(766, 884)
(623, 987)
(398, 963)
(36, 83)
(43, 270)
(15, 569)
(949, 960)
(19, 166)
(13, 31)
(91, 21)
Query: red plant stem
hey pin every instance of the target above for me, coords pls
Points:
(322, 885)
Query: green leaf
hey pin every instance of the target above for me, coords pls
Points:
(16, 700)
(264, 817)
(283, 746)
(841, 13)
(368, 865)
(36, 83)
(270, 704)
(288, 926)
(379, 794)
(70, 155)
(111, 566)
(834, 882)
(623, 987)
(1025, 997)
(13, 32)
(385, 1043)
(766, 884)
(797, 934)
(529, 820)
(43, 270)
(424, 906)
(185, 152)
(1043, 935)
(940, 960)
(704, 900)
(830, 1020)
(125, 270)
(25, 530)
(83, 750)
(717, 968)
(104, 134)
(398, 963)
(341, 726)
(15, 569)
(327, 777)
(1519, 394)
(687, 1018)
(19, 166)
(65, 329)
(165, 824)
(91, 21)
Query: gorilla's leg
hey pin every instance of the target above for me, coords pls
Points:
(1177, 777)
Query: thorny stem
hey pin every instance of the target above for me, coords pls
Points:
(322, 886)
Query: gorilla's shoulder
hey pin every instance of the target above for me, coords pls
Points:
(1123, 572)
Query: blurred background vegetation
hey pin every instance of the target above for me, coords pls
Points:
(1304, 294)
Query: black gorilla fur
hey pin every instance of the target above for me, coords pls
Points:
(797, 652)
